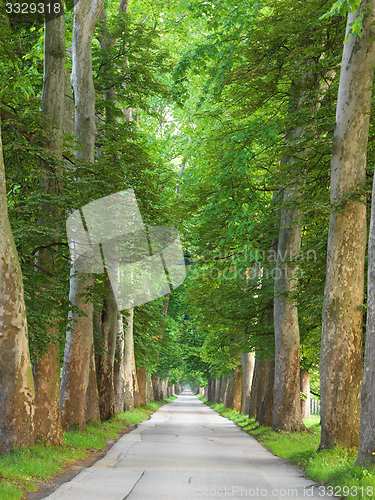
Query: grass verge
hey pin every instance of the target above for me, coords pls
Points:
(21, 470)
(334, 468)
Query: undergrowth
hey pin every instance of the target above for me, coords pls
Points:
(334, 469)
(21, 470)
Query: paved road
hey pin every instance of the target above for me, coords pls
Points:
(187, 451)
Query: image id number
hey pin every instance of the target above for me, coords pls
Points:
(32, 8)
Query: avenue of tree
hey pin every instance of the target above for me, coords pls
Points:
(247, 127)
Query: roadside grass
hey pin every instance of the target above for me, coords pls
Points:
(21, 469)
(334, 469)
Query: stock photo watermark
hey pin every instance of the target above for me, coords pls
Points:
(108, 235)
(315, 491)
(252, 265)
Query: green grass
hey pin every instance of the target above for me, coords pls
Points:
(333, 468)
(20, 470)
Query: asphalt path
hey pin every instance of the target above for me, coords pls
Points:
(188, 451)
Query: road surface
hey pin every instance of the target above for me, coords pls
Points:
(187, 451)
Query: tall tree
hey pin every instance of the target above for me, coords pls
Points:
(16, 378)
(341, 346)
(47, 367)
(78, 347)
(286, 392)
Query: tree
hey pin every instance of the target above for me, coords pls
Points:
(341, 346)
(80, 336)
(16, 378)
(286, 393)
(47, 367)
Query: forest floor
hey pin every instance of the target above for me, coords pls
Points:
(334, 469)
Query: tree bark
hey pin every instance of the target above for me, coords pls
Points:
(266, 409)
(235, 401)
(209, 390)
(142, 378)
(156, 387)
(341, 347)
(149, 388)
(106, 360)
(118, 370)
(130, 376)
(16, 378)
(48, 429)
(257, 388)
(92, 395)
(229, 390)
(223, 388)
(247, 362)
(80, 339)
(217, 390)
(286, 395)
(305, 388)
(68, 122)
(77, 356)
(164, 388)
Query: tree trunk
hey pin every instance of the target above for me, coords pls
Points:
(266, 409)
(106, 361)
(305, 388)
(129, 362)
(164, 388)
(209, 390)
(217, 390)
(92, 395)
(341, 347)
(47, 421)
(48, 429)
(229, 390)
(68, 121)
(137, 403)
(77, 356)
(156, 388)
(80, 337)
(118, 370)
(205, 392)
(287, 407)
(223, 388)
(149, 388)
(257, 388)
(16, 378)
(247, 362)
(235, 401)
(141, 377)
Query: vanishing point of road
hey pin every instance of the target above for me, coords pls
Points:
(187, 451)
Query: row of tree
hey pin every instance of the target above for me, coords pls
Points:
(221, 117)
(275, 217)
(72, 89)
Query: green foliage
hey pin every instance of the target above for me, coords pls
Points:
(342, 7)
(254, 62)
